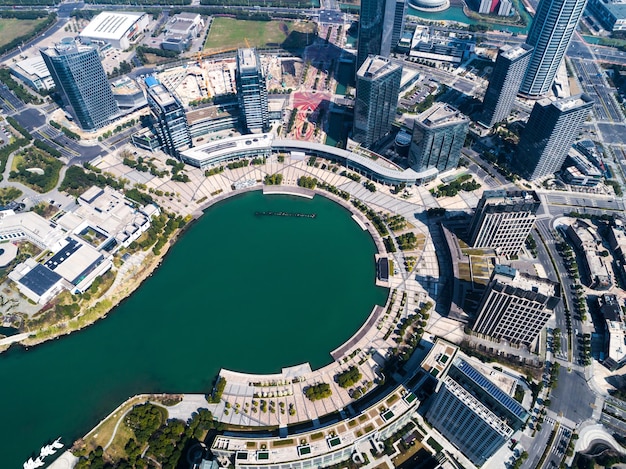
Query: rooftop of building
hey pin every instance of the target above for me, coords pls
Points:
(125, 86)
(484, 383)
(439, 358)
(320, 441)
(248, 59)
(111, 25)
(583, 164)
(40, 279)
(108, 212)
(610, 308)
(67, 45)
(440, 115)
(73, 260)
(42, 232)
(209, 112)
(34, 66)
(572, 102)
(512, 277)
(618, 9)
(473, 403)
(515, 52)
(376, 66)
(181, 24)
(505, 197)
(444, 354)
(161, 95)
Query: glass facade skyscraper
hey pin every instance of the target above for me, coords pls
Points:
(381, 23)
(169, 118)
(438, 136)
(550, 132)
(550, 35)
(82, 82)
(473, 413)
(252, 91)
(377, 88)
(504, 83)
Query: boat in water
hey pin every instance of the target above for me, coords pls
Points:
(33, 464)
(47, 450)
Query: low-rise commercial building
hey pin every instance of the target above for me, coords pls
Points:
(614, 332)
(579, 171)
(119, 29)
(589, 243)
(78, 245)
(107, 219)
(180, 31)
(362, 161)
(430, 44)
(323, 446)
(34, 73)
(128, 94)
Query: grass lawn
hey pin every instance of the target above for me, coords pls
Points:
(9, 194)
(104, 431)
(43, 180)
(229, 34)
(11, 28)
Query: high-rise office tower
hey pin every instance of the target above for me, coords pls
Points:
(252, 91)
(168, 117)
(399, 17)
(82, 82)
(515, 307)
(504, 83)
(503, 220)
(377, 88)
(438, 137)
(473, 413)
(550, 132)
(550, 34)
(381, 23)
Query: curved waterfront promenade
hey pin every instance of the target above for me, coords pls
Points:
(367, 348)
(369, 341)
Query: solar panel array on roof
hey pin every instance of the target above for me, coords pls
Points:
(502, 397)
(40, 279)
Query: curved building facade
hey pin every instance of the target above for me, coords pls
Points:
(430, 5)
(550, 34)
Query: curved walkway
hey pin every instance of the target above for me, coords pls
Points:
(590, 434)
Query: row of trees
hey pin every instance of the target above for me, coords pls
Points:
(77, 180)
(17, 88)
(17, 126)
(68, 133)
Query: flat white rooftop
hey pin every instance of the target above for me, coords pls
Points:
(441, 114)
(34, 66)
(109, 25)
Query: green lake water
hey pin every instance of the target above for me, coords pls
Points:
(240, 291)
(455, 13)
